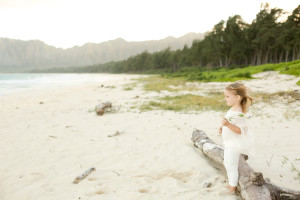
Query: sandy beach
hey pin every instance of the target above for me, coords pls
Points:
(50, 136)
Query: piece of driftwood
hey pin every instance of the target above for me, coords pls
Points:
(83, 175)
(101, 108)
(116, 134)
(251, 185)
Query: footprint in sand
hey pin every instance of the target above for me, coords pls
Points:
(92, 179)
(99, 191)
(143, 190)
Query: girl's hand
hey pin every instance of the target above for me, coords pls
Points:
(220, 130)
(225, 122)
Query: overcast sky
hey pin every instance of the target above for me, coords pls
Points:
(66, 23)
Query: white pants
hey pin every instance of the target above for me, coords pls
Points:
(231, 163)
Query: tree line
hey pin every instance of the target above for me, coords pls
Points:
(230, 43)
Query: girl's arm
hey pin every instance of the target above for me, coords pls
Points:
(232, 127)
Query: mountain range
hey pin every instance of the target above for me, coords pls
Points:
(22, 56)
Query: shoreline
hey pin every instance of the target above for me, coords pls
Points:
(45, 146)
(41, 81)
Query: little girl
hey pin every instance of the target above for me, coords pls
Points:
(237, 138)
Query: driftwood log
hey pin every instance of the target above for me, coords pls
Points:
(251, 185)
(101, 108)
(83, 175)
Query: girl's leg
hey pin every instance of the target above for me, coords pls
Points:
(231, 162)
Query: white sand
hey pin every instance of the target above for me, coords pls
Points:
(45, 146)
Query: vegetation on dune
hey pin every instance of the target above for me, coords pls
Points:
(160, 83)
(215, 101)
(177, 100)
(179, 80)
(229, 74)
(187, 102)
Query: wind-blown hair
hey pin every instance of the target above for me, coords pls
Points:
(239, 89)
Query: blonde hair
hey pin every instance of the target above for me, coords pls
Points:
(239, 89)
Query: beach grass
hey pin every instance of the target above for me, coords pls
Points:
(187, 102)
(160, 83)
(282, 96)
(287, 161)
(130, 86)
(215, 101)
(179, 101)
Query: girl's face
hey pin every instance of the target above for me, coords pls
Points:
(231, 98)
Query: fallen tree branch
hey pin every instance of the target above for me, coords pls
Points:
(83, 175)
(252, 185)
(101, 108)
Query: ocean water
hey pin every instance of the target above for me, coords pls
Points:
(12, 83)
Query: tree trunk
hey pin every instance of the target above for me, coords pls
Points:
(174, 67)
(294, 53)
(286, 55)
(297, 53)
(220, 61)
(251, 185)
(253, 59)
(266, 57)
(271, 57)
(275, 57)
(280, 56)
(246, 61)
(229, 61)
(226, 61)
(258, 62)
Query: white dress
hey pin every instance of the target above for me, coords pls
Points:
(242, 143)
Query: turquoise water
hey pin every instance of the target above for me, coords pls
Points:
(11, 83)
